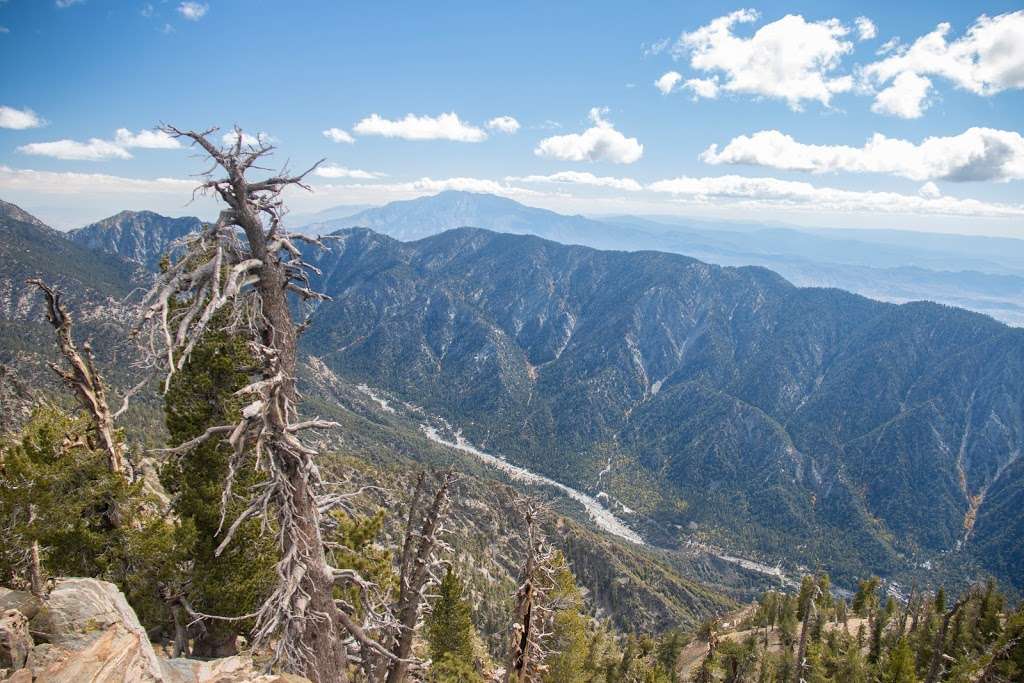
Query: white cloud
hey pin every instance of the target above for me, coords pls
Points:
(464, 184)
(580, 178)
(906, 98)
(4, 29)
(668, 81)
(67, 200)
(444, 127)
(338, 135)
(789, 59)
(987, 59)
(193, 11)
(977, 154)
(231, 137)
(930, 190)
(145, 139)
(49, 182)
(866, 29)
(703, 87)
(599, 143)
(388, 191)
(795, 195)
(19, 119)
(97, 149)
(336, 171)
(72, 150)
(67, 3)
(504, 124)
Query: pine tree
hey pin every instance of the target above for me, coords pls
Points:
(453, 669)
(450, 626)
(851, 668)
(866, 599)
(568, 643)
(900, 667)
(56, 492)
(807, 593)
(988, 625)
(202, 395)
(669, 649)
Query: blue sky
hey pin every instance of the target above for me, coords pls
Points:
(790, 93)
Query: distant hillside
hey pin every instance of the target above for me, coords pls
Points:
(139, 236)
(639, 588)
(418, 218)
(28, 248)
(94, 287)
(723, 405)
(978, 273)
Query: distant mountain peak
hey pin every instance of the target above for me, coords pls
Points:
(415, 219)
(15, 212)
(139, 236)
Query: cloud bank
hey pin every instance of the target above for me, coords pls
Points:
(444, 127)
(977, 154)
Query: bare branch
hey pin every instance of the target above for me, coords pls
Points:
(83, 379)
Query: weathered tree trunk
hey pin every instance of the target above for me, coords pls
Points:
(526, 651)
(83, 379)
(35, 566)
(300, 619)
(939, 645)
(313, 620)
(414, 576)
(180, 647)
(810, 614)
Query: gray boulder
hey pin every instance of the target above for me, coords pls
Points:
(15, 641)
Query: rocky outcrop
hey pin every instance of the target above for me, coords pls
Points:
(90, 633)
(236, 669)
(15, 641)
(86, 632)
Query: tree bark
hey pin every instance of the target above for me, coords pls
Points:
(83, 379)
(180, 647)
(318, 629)
(939, 645)
(35, 567)
(414, 578)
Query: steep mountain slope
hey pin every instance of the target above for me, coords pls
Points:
(28, 248)
(978, 273)
(636, 587)
(721, 404)
(94, 286)
(139, 236)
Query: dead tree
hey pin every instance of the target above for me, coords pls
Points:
(417, 571)
(531, 618)
(35, 565)
(247, 265)
(809, 616)
(935, 667)
(83, 380)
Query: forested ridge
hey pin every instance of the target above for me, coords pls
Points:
(245, 495)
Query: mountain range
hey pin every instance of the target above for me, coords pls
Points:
(142, 237)
(708, 405)
(984, 274)
(721, 404)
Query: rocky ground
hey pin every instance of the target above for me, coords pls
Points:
(85, 632)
